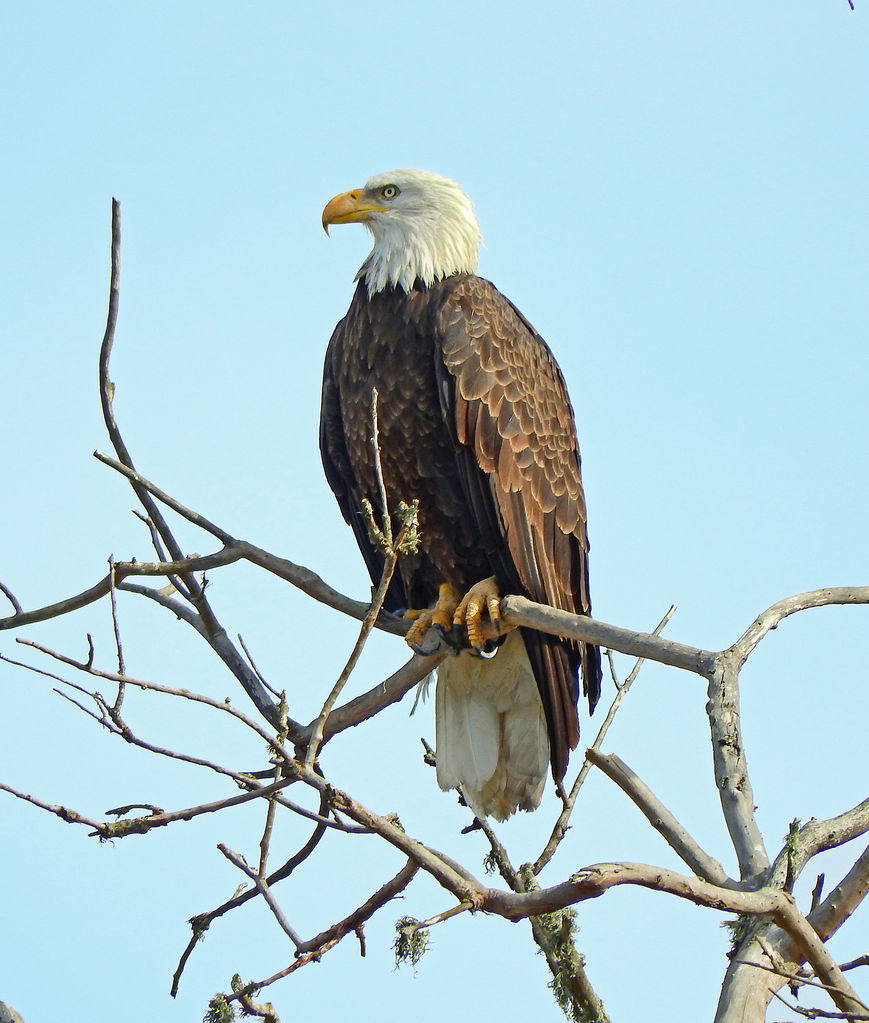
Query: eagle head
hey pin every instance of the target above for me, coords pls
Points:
(424, 228)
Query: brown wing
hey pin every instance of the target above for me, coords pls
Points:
(510, 409)
(337, 461)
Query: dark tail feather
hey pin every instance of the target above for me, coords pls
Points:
(556, 663)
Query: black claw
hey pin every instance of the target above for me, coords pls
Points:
(489, 648)
(453, 636)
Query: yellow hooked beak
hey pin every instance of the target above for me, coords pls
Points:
(349, 208)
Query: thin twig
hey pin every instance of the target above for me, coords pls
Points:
(142, 825)
(769, 619)
(383, 695)
(181, 611)
(392, 549)
(10, 596)
(501, 857)
(622, 690)
(266, 838)
(107, 394)
(193, 591)
(438, 918)
(817, 891)
(328, 939)
(264, 890)
(63, 812)
(99, 718)
(119, 699)
(157, 687)
(318, 731)
(256, 671)
(203, 921)
(817, 1013)
(446, 872)
(139, 482)
(797, 978)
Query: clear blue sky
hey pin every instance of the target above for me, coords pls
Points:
(675, 195)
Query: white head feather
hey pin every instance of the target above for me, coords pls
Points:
(425, 231)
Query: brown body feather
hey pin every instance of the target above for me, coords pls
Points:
(475, 422)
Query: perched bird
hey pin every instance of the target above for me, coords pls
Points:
(475, 423)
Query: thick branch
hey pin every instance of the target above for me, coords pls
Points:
(818, 836)
(747, 990)
(385, 693)
(591, 882)
(815, 951)
(731, 769)
(520, 611)
(843, 899)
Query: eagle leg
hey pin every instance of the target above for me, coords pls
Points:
(484, 596)
(439, 617)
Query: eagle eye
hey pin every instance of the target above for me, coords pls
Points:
(389, 192)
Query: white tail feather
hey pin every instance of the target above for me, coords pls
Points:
(491, 730)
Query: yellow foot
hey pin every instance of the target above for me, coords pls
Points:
(440, 615)
(480, 598)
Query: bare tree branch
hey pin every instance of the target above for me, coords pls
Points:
(843, 899)
(516, 610)
(814, 1013)
(142, 825)
(328, 939)
(391, 556)
(731, 769)
(770, 618)
(63, 812)
(827, 970)
(10, 596)
(661, 819)
(264, 890)
(817, 836)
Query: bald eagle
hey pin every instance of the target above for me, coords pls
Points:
(475, 423)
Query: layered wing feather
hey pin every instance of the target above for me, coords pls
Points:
(504, 396)
(492, 456)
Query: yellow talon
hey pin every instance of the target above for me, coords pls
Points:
(441, 614)
(484, 594)
(478, 614)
